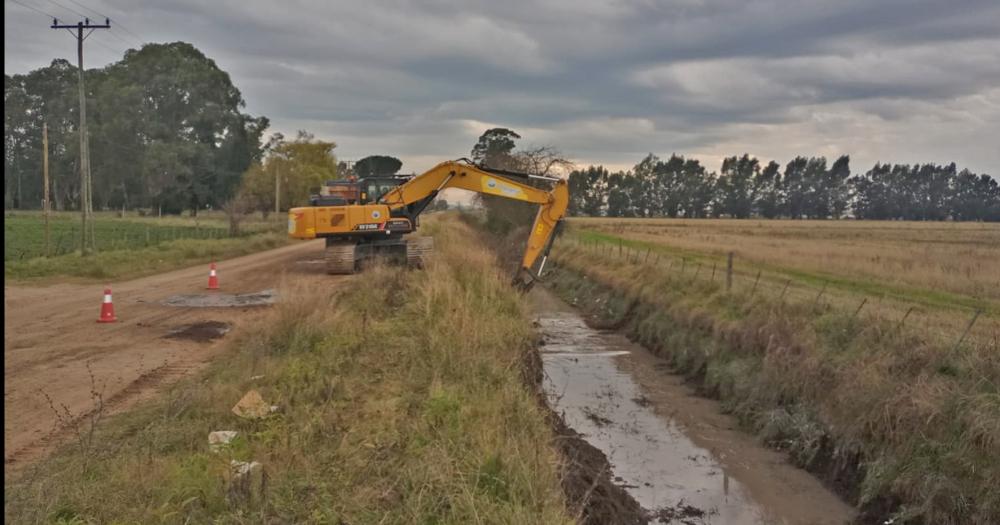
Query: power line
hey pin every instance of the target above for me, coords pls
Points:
(118, 24)
(112, 33)
(74, 11)
(39, 11)
(89, 9)
(123, 28)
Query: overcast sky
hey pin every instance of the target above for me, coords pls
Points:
(604, 82)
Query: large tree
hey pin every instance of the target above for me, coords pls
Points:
(166, 129)
(377, 165)
(495, 148)
(298, 166)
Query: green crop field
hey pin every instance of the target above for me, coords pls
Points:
(24, 233)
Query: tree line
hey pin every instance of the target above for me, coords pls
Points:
(807, 188)
(166, 130)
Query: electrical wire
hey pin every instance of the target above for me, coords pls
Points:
(74, 11)
(118, 24)
(22, 4)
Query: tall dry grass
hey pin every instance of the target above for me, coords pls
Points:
(401, 401)
(907, 426)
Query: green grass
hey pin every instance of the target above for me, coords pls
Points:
(902, 424)
(130, 263)
(401, 401)
(24, 233)
(125, 247)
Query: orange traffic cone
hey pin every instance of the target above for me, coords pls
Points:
(107, 308)
(213, 280)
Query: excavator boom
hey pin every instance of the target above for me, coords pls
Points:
(413, 196)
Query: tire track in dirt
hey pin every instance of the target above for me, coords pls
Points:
(52, 343)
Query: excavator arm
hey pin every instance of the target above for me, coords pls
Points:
(411, 198)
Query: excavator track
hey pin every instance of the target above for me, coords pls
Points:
(418, 251)
(340, 257)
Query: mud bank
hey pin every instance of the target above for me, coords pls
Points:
(673, 452)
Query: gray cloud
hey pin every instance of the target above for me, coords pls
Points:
(604, 81)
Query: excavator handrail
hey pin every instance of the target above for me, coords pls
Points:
(413, 196)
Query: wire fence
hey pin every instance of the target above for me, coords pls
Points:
(24, 236)
(955, 325)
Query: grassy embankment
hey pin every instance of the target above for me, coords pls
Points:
(129, 247)
(901, 423)
(401, 401)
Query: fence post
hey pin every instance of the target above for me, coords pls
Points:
(683, 264)
(714, 264)
(906, 315)
(820, 294)
(644, 261)
(966, 332)
(755, 281)
(729, 272)
(860, 306)
(785, 289)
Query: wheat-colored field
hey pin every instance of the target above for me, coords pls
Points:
(943, 271)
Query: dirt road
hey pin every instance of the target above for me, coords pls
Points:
(53, 345)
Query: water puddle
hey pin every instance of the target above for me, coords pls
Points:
(223, 300)
(675, 453)
(201, 332)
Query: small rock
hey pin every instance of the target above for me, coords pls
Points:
(257, 378)
(220, 438)
(252, 406)
(274, 408)
(246, 482)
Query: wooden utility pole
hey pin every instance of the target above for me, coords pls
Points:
(86, 187)
(46, 207)
(277, 188)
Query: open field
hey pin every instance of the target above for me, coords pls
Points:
(400, 401)
(840, 353)
(128, 247)
(935, 274)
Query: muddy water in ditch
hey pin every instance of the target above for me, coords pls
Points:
(674, 452)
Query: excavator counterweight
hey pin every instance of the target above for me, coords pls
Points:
(372, 216)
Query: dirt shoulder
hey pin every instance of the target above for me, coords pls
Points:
(56, 355)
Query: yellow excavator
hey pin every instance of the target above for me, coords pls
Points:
(370, 217)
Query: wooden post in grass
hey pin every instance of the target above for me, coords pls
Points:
(45, 184)
(785, 289)
(729, 272)
(714, 264)
(755, 281)
(905, 316)
(820, 294)
(647, 256)
(966, 332)
(860, 306)
(683, 264)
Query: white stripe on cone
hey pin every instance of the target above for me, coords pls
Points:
(107, 298)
